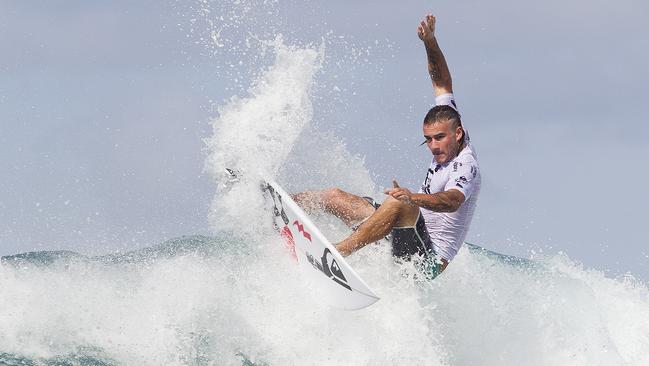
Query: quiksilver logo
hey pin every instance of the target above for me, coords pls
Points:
(332, 270)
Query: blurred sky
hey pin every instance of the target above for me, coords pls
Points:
(104, 107)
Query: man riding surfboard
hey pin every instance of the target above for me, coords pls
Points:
(433, 223)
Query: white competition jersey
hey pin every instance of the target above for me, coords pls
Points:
(448, 230)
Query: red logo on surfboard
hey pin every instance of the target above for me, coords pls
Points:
(289, 243)
(300, 228)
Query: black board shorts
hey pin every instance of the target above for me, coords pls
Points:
(409, 241)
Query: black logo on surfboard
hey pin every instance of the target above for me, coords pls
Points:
(278, 208)
(330, 270)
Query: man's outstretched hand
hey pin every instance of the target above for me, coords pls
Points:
(426, 30)
(402, 194)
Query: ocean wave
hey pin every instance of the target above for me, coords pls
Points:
(200, 300)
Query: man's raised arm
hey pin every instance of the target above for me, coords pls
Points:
(436, 63)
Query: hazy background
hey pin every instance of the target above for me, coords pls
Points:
(104, 105)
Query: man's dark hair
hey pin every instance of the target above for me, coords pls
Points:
(443, 113)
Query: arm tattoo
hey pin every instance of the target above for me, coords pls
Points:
(437, 66)
(435, 58)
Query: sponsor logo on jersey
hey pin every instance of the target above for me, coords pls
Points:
(461, 181)
(429, 177)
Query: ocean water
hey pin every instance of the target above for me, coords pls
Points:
(226, 300)
(236, 298)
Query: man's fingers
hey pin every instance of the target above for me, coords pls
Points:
(430, 22)
(426, 27)
(394, 192)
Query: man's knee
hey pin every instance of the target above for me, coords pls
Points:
(333, 196)
(347, 206)
(393, 202)
(407, 214)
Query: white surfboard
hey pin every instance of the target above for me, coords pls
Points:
(332, 277)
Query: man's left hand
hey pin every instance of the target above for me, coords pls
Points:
(402, 194)
(426, 29)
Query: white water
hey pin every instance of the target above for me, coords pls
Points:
(228, 297)
(268, 133)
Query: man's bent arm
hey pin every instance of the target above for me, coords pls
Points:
(447, 201)
(437, 67)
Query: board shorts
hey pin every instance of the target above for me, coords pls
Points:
(410, 242)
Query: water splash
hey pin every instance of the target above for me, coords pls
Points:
(255, 134)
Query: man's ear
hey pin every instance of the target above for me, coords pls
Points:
(459, 134)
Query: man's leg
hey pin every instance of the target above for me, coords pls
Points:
(351, 209)
(391, 213)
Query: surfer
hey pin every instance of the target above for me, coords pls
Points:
(433, 223)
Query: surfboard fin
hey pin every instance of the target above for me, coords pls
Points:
(230, 178)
